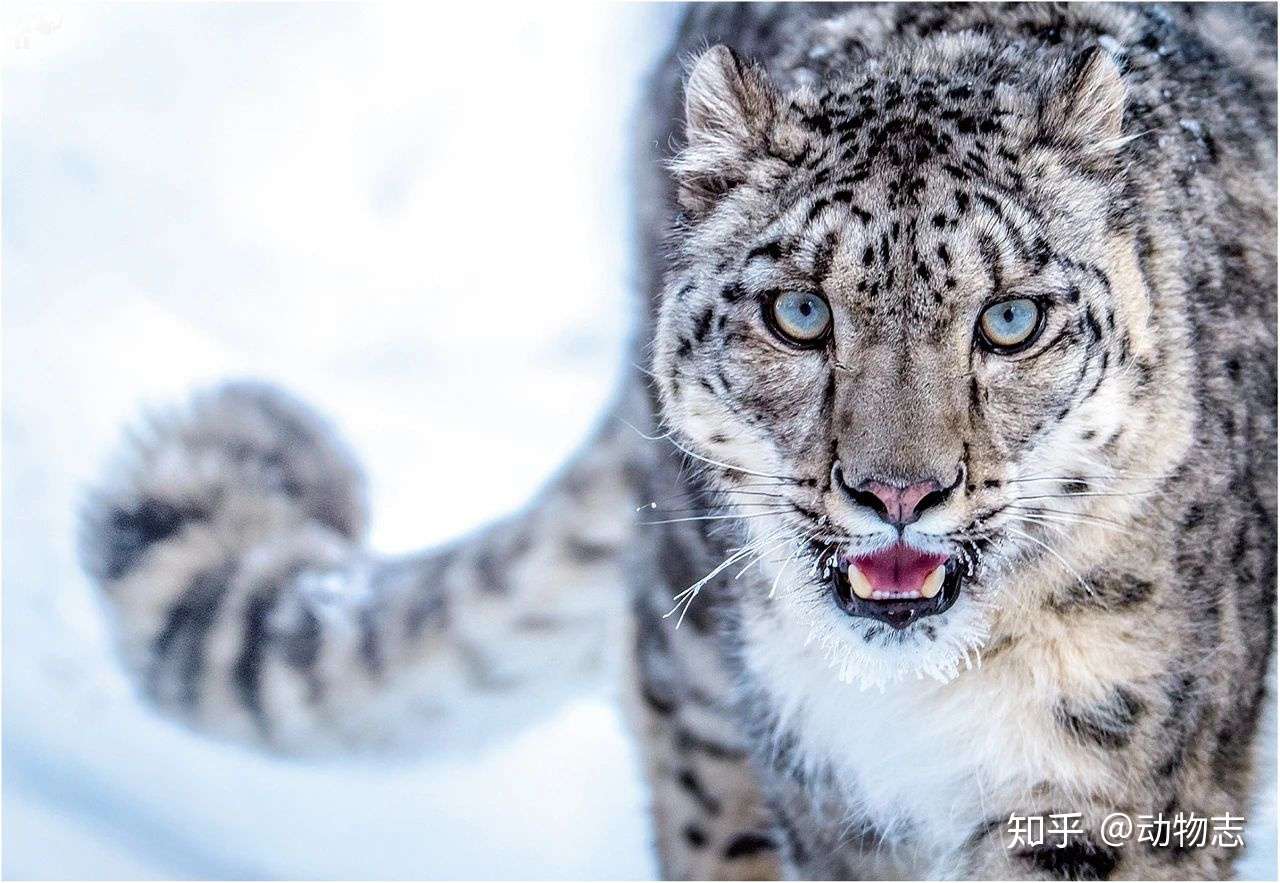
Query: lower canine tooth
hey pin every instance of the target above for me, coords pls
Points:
(861, 587)
(933, 582)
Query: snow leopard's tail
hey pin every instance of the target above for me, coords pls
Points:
(228, 542)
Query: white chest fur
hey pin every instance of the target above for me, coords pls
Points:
(920, 759)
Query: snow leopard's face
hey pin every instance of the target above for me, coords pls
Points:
(896, 339)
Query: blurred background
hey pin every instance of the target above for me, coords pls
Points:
(418, 219)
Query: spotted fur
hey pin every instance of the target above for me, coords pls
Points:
(1112, 487)
(912, 164)
(229, 539)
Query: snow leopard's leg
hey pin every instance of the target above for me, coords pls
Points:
(1146, 781)
(710, 818)
(228, 545)
(1043, 844)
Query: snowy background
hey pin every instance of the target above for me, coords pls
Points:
(420, 224)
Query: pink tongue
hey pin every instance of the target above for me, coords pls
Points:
(898, 568)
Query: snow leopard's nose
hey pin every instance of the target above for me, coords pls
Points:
(896, 503)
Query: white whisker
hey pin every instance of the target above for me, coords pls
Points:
(711, 518)
(666, 436)
(799, 546)
(688, 595)
(1063, 561)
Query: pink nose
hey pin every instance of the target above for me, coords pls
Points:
(901, 505)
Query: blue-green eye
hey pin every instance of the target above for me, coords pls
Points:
(1010, 324)
(801, 317)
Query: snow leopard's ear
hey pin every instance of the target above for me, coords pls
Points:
(1087, 109)
(729, 107)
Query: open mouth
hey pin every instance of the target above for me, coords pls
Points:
(898, 585)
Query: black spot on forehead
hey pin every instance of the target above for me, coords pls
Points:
(900, 169)
(771, 250)
(907, 119)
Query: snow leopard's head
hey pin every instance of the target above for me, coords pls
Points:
(907, 339)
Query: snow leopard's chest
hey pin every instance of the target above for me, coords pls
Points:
(921, 763)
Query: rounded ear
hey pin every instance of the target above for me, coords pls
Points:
(1089, 108)
(729, 106)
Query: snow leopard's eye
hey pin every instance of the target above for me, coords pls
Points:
(801, 318)
(1010, 325)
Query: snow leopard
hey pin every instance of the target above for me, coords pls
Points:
(945, 496)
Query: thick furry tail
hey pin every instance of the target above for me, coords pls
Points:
(227, 540)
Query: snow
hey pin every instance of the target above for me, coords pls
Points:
(420, 225)
(417, 220)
